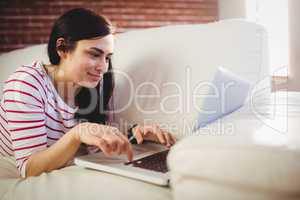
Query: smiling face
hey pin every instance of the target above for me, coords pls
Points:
(86, 64)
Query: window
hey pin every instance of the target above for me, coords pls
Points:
(273, 14)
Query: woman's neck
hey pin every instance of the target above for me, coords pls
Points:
(66, 88)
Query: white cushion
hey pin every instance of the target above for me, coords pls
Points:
(245, 155)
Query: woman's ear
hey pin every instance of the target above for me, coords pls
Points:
(61, 47)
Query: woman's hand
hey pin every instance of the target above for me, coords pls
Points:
(153, 133)
(107, 138)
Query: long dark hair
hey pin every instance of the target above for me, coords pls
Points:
(78, 24)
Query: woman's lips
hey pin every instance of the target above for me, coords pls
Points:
(94, 77)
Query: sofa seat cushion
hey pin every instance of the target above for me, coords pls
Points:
(74, 182)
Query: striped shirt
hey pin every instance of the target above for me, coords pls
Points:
(33, 116)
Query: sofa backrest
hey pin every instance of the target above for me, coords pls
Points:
(160, 70)
(170, 64)
(10, 61)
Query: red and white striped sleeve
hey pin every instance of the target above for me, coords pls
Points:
(24, 106)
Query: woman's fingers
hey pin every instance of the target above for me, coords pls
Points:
(102, 144)
(138, 134)
(124, 146)
(154, 133)
(119, 144)
(168, 138)
(112, 143)
(108, 139)
(174, 140)
(120, 148)
(129, 152)
(127, 147)
(161, 137)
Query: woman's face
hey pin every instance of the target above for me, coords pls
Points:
(87, 63)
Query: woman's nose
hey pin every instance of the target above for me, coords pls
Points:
(101, 65)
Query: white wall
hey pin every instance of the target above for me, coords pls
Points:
(232, 9)
(237, 9)
(294, 43)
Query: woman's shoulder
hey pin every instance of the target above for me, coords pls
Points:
(33, 71)
(32, 75)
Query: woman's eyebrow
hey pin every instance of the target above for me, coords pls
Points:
(100, 50)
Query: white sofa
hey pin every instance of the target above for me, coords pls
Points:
(169, 62)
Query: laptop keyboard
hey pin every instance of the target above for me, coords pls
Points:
(156, 162)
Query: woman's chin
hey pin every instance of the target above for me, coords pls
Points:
(88, 84)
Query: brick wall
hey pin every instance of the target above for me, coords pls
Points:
(24, 23)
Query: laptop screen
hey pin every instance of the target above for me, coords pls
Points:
(227, 93)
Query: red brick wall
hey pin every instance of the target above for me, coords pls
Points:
(24, 23)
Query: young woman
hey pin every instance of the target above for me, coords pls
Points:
(43, 106)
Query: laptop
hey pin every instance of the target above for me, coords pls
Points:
(227, 93)
(149, 163)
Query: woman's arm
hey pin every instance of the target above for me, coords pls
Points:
(54, 157)
(109, 139)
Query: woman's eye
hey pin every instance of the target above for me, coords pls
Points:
(94, 55)
(107, 59)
